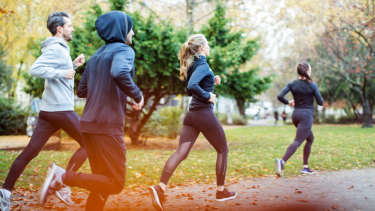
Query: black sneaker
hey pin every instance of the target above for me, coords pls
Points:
(52, 182)
(225, 195)
(307, 171)
(157, 196)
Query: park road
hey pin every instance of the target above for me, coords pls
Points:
(341, 190)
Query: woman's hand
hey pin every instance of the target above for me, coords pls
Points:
(213, 98)
(217, 79)
(291, 103)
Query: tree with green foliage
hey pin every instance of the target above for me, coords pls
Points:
(156, 45)
(348, 61)
(229, 53)
(244, 86)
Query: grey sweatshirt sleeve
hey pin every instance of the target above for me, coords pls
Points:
(44, 66)
(317, 95)
(281, 96)
(193, 84)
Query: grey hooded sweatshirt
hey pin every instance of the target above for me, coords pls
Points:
(52, 65)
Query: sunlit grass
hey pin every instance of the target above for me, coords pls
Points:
(252, 151)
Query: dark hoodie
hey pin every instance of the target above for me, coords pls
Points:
(107, 79)
(199, 83)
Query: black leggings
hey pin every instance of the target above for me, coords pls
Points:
(107, 156)
(48, 124)
(302, 119)
(205, 121)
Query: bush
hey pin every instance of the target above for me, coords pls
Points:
(349, 119)
(223, 118)
(330, 119)
(78, 108)
(12, 118)
(239, 120)
(164, 122)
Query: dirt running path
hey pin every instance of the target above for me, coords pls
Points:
(342, 190)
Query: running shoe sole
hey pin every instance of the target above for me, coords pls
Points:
(224, 199)
(47, 183)
(278, 167)
(62, 199)
(306, 172)
(155, 199)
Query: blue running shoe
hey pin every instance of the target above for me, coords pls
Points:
(279, 167)
(307, 171)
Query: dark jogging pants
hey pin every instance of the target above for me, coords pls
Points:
(107, 156)
(302, 119)
(205, 121)
(48, 123)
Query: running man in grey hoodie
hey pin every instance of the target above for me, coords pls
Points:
(57, 107)
(106, 83)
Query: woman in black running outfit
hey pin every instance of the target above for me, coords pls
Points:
(304, 91)
(200, 82)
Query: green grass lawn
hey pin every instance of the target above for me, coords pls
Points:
(252, 151)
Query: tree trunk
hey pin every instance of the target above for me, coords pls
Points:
(367, 118)
(133, 128)
(371, 109)
(137, 123)
(189, 13)
(241, 107)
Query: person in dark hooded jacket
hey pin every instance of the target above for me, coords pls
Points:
(105, 83)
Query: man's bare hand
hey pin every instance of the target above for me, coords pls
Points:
(138, 106)
(80, 60)
(69, 74)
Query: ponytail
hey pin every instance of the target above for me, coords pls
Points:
(302, 69)
(185, 60)
(188, 51)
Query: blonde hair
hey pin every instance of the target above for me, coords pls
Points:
(188, 51)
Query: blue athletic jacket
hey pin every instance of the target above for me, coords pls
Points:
(199, 83)
(107, 79)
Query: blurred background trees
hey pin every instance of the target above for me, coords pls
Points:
(255, 46)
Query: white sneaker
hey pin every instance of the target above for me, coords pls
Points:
(64, 195)
(52, 182)
(4, 201)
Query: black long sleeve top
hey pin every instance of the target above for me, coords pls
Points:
(303, 93)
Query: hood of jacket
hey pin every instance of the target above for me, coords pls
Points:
(114, 26)
(53, 40)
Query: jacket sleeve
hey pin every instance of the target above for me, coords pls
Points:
(82, 87)
(317, 95)
(193, 84)
(122, 65)
(284, 91)
(44, 66)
